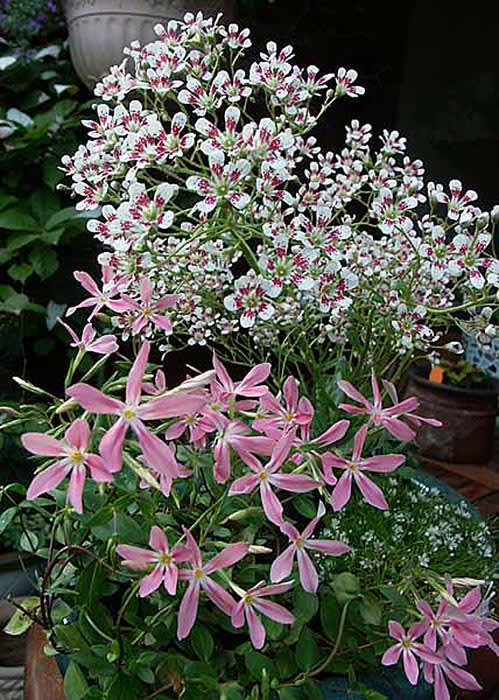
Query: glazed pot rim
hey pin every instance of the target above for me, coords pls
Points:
(490, 391)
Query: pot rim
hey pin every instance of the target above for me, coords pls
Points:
(491, 391)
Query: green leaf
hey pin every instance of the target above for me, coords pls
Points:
(20, 272)
(291, 694)
(53, 236)
(51, 174)
(6, 517)
(6, 200)
(256, 662)
(18, 117)
(61, 217)
(20, 622)
(346, 587)
(370, 611)
(75, 685)
(29, 541)
(305, 506)
(330, 612)
(305, 605)
(124, 687)
(307, 651)
(44, 261)
(17, 220)
(202, 642)
(44, 204)
(15, 304)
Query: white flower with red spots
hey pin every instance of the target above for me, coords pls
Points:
(250, 299)
(224, 184)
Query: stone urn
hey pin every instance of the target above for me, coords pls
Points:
(100, 29)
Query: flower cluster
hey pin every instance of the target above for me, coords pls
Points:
(251, 225)
(260, 443)
(440, 641)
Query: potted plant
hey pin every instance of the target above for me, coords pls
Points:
(187, 518)
(100, 29)
(464, 399)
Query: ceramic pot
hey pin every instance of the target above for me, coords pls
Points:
(100, 29)
(468, 416)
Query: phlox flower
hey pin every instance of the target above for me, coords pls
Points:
(354, 469)
(198, 577)
(435, 673)
(298, 411)
(74, 460)
(146, 311)
(132, 414)
(283, 564)
(389, 418)
(165, 569)
(105, 345)
(251, 601)
(250, 386)
(264, 477)
(99, 298)
(409, 648)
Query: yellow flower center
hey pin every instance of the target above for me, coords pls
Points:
(299, 543)
(248, 599)
(352, 467)
(129, 413)
(165, 559)
(263, 476)
(146, 311)
(198, 574)
(407, 644)
(76, 456)
(288, 417)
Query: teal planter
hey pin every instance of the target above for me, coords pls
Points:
(391, 683)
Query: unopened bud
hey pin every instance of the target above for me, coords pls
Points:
(28, 386)
(259, 549)
(68, 405)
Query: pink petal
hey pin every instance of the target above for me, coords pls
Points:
(411, 667)
(135, 558)
(82, 305)
(281, 450)
(71, 332)
(283, 564)
(274, 589)
(136, 376)
(471, 600)
(163, 322)
(290, 391)
(297, 483)
(221, 453)
(333, 434)
(75, 488)
(461, 678)
(176, 430)
(97, 468)
(94, 400)
(309, 578)
(111, 446)
(237, 617)
(105, 345)
(188, 611)
(372, 493)
(172, 406)
(47, 480)
(41, 444)
(271, 504)
(146, 291)
(222, 374)
(157, 540)
(88, 334)
(218, 595)
(399, 429)
(441, 690)
(275, 611)
(244, 485)
(170, 579)
(358, 442)
(256, 629)
(342, 491)
(157, 454)
(391, 655)
(396, 630)
(166, 302)
(382, 463)
(352, 393)
(376, 391)
(305, 412)
(228, 557)
(332, 547)
(87, 283)
(78, 434)
(405, 406)
(151, 582)
(194, 549)
(257, 375)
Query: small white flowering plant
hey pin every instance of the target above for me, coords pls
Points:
(205, 182)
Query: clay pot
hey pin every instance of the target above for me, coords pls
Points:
(100, 29)
(42, 678)
(468, 416)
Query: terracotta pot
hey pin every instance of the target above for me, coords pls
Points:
(468, 416)
(42, 678)
(100, 29)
